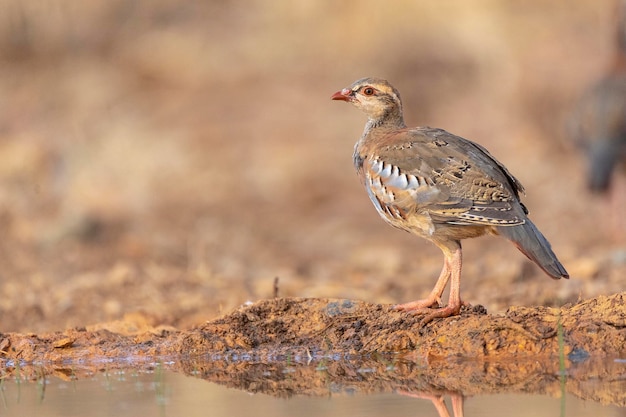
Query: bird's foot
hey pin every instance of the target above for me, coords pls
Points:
(423, 307)
(447, 311)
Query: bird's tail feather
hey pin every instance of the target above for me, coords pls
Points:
(535, 246)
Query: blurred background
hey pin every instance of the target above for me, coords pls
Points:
(172, 159)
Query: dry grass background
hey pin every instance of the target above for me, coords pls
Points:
(172, 158)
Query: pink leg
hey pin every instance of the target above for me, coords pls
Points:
(457, 405)
(451, 271)
(434, 298)
(439, 403)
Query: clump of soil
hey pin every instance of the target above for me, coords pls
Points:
(314, 340)
(320, 327)
(596, 327)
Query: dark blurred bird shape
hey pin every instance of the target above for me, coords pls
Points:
(598, 127)
(438, 186)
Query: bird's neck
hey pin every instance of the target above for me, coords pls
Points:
(386, 122)
(376, 128)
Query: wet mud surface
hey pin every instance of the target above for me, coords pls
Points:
(284, 327)
(295, 346)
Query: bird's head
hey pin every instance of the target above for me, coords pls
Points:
(378, 99)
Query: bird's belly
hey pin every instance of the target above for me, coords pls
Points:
(460, 232)
(413, 222)
(421, 224)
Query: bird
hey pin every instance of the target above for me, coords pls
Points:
(598, 123)
(597, 126)
(441, 187)
(600, 129)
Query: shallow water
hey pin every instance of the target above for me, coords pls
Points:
(160, 391)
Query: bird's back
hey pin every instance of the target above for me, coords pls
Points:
(454, 180)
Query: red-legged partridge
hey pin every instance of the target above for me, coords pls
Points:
(438, 186)
(599, 124)
(598, 127)
(601, 129)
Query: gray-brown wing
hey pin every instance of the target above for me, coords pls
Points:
(455, 180)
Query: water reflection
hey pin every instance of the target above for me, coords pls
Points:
(601, 380)
(439, 402)
(168, 386)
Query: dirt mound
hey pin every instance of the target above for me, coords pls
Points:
(593, 327)
(298, 346)
(320, 327)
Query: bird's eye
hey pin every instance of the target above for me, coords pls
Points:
(368, 91)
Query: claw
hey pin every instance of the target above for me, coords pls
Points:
(446, 311)
(422, 307)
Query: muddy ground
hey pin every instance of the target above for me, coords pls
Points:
(293, 346)
(163, 165)
(307, 327)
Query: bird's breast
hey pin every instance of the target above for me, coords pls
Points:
(399, 197)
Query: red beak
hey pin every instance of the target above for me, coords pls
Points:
(344, 95)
